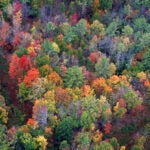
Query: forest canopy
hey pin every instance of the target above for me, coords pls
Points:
(74, 74)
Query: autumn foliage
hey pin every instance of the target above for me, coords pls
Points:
(75, 74)
(62, 96)
(31, 76)
(55, 78)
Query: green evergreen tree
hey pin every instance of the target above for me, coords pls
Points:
(64, 130)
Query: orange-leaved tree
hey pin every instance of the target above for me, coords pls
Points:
(101, 87)
(31, 76)
(62, 96)
(87, 90)
(55, 78)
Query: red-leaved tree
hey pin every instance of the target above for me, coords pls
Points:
(107, 128)
(31, 76)
(18, 66)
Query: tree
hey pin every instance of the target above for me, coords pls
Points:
(4, 3)
(132, 99)
(4, 34)
(104, 68)
(97, 28)
(112, 28)
(145, 40)
(99, 85)
(50, 26)
(146, 3)
(103, 146)
(28, 142)
(13, 67)
(81, 28)
(35, 4)
(92, 106)
(55, 78)
(42, 60)
(5, 143)
(127, 30)
(140, 24)
(32, 75)
(17, 17)
(18, 66)
(23, 92)
(45, 70)
(50, 47)
(86, 120)
(94, 57)
(41, 142)
(64, 130)
(106, 111)
(24, 62)
(84, 4)
(96, 4)
(49, 97)
(74, 77)
(3, 115)
(106, 4)
(98, 135)
(40, 112)
(87, 91)
(127, 10)
(64, 145)
(69, 33)
(62, 96)
(114, 142)
(107, 128)
(84, 140)
(21, 51)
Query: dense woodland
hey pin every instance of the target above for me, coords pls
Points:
(74, 74)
